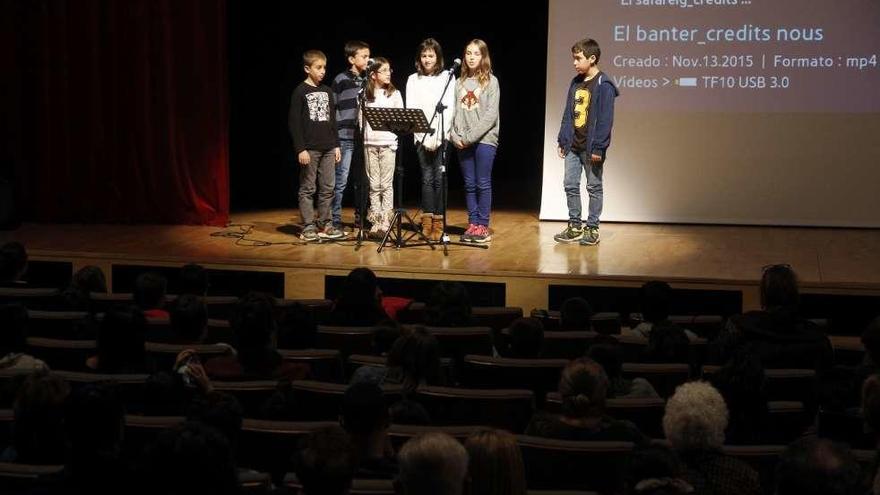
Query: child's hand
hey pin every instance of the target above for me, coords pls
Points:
(303, 157)
(560, 151)
(596, 158)
(338, 154)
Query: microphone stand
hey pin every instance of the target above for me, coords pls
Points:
(444, 157)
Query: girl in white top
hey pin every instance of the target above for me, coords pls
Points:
(423, 90)
(380, 148)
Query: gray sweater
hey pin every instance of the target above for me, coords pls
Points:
(476, 118)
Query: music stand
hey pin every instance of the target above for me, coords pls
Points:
(399, 121)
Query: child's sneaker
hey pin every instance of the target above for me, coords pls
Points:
(331, 232)
(591, 237)
(481, 234)
(468, 234)
(572, 233)
(309, 233)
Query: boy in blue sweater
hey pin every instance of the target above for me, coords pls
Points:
(584, 137)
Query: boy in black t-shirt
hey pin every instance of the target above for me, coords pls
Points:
(312, 124)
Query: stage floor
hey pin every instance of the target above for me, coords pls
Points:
(523, 254)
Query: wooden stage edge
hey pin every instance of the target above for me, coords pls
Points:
(523, 254)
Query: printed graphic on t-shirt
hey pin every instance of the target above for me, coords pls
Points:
(471, 100)
(581, 107)
(319, 106)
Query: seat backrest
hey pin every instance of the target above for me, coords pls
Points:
(141, 431)
(400, 434)
(457, 342)
(573, 465)
(347, 340)
(252, 394)
(23, 478)
(31, 298)
(646, 413)
(495, 317)
(538, 375)
(322, 401)
(567, 345)
(845, 426)
(510, 409)
(63, 354)
(359, 486)
(664, 377)
(324, 364)
(61, 324)
(268, 446)
(787, 421)
(762, 458)
(165, 355)
(783, 384)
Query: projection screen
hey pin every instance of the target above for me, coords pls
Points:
(730, 111)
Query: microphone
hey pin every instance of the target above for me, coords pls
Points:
(456, 64)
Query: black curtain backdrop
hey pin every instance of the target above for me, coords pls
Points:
(266, 41)
(116, 111)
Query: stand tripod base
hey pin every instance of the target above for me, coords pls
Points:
(397, 236)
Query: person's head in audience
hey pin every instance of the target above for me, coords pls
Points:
(583, 386)
(655, 297)
(610, 358)
(871, 341)
(448, 306)
(741, 382)
(816, 466)
(149, 291)
(194, 280)
(871, 405)
(409, 412)
(417, 357)
(95, 420)
(326, 462)
(121, 342)
(779, 288)
(189, 318)
(13, 262)
(432, 464)
(297, 328)
(365, 418)
(191, 458)
(495, 464)
(219, 410)
(667, 343)
(695, 418)
(255, 329)
(86, 280)
(38, 434)
(89, 279)
(360, 301)
(656, 470)
(526, 338)
(13, 323)
(575, 315)
(384, 336)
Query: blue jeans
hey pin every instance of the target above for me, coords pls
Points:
(432, 180)
(476, 168)
(574, 164)
(347, 149)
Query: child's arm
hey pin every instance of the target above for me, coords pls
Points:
(604, 122)
(294, 125)
(337, 153)
(490, 100)
(448, 112)
(561, 140)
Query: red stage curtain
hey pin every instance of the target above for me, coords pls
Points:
(118, 110)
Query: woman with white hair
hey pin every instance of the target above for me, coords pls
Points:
(695, 419)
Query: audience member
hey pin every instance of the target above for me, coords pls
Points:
(695, 420)
(326, 462)
(448, 306)
(432, 464)
(495, 464)
(583, 387)
(365, 418)
(13, 340)
(815, 466)
(575, 315)
(610, 358)
(149, 295)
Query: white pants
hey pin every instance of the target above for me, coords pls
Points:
(380, 173)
